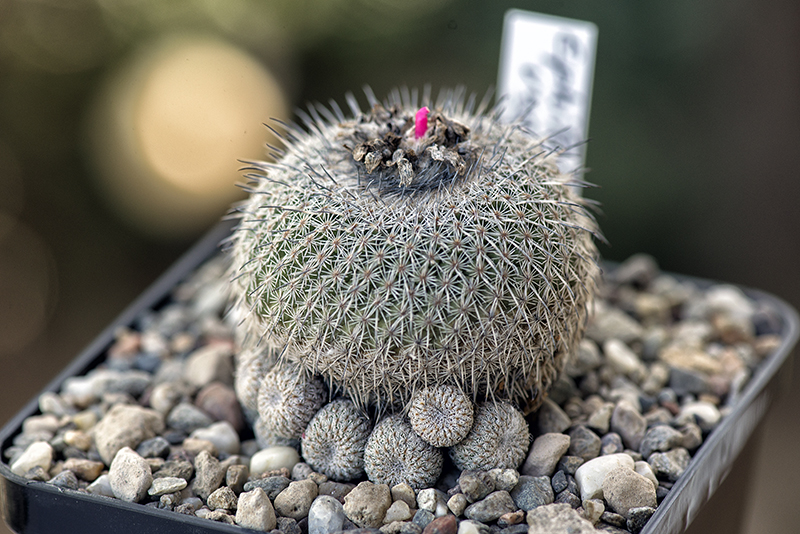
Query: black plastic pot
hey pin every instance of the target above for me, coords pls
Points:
(37, 507)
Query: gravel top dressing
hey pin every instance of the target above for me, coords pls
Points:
(157, 423)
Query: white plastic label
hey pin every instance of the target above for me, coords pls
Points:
(546, 72)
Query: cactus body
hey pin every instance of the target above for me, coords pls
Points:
(386, 262)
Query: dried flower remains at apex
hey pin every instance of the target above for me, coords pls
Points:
(386, 262)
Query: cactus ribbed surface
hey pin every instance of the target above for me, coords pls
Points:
(386, 261)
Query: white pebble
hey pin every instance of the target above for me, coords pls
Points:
(161, 486)
(39, 453)
(222, 435)
(130, 476)
(254, 511)
(706, 413)
(468, 526)
(590, 475)
(644, 469)
(273, 458)
(101, 486)
(622, 359)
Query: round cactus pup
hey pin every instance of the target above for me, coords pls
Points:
(441, 415)
(499, 439)
(334, 441)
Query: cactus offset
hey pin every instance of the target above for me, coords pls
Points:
(385, 253)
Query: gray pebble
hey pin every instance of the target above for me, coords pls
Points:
(409, 527)
(432, 500)
(600, 419)
(272, 486)
(522, 528)
(187, 418)
(209, 474)
(475, 485)
(611, 443)
(545, 453)
(156, 447)
(338, 490)
(670, 465)
(609, 323)
(660, 438)
(287, 525)
(638, 518)
(423, 517)
(175, 468)
(531, 492)
(584, 443)
(687, 382)
(613, 519)
(569, 464)
(493, 506)
(129, 476)
(567, 497)
(65, 479)
(326, 515)
(559, 481)
(629, 424)
(551, 418)
(296, 499)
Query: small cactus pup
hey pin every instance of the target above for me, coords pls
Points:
(409, 246)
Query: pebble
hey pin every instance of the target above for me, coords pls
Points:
(504, 479)
(551, 418)
(187, 418)
(511, 518)
(468, 526)
(367, 503)
(423, 517)
(162, 486)
(623, 360)
(38, 454)
(475, 485)
(338, 490)
(432, 500)
(458, 503)
(557, 519)
(624, 489)
(209, 474)
(287, 525)
(492, 507)
(584, 443)
(398, 511)
(211, 363)
(670, 465)
(65, 479)
(125, 426)
(590, 475)
(593, 509)
(644, 469)
(175, 468)
(629, 424)
(545, 453)
(236, 477)
(611, 443)
(296, 499)
(156, 447)
(271, 485)
(129, 476)
(704, 413)
(101, 486)
(84, 469)
(219, 401)
(600, 419)
(612, 323)
(273, 458)
(222, 499)
(222, 435)
(326, 515)
(660, 438)
(638, 518)
(404, 492)
(570, 464)
(447, 524)
(532, 491)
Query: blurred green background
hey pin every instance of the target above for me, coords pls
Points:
(121, 122)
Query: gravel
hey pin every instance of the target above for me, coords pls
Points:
(158, 423)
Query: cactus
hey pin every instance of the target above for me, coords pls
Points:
(404, 247)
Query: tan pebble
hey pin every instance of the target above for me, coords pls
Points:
(195, 446)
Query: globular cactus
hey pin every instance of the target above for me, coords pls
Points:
(404, 247)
